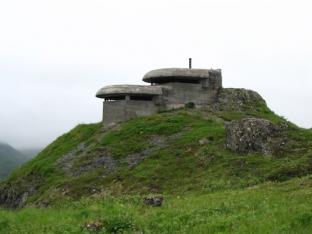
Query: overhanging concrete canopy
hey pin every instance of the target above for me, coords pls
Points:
(123, 90)
(178, 74)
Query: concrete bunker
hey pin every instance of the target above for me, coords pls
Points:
(123, 102)
(170, 88)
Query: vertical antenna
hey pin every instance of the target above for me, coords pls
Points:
(190, 63)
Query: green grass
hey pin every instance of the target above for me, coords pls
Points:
(131, 137)
(267, 208)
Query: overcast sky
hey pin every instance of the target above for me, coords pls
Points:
(55, 55)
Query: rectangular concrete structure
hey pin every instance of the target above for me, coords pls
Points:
(170, 89)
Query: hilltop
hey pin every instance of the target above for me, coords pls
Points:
(173, 152)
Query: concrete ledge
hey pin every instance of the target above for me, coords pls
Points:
(137, 90)
(176, 74)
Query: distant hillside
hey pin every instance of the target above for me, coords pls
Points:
(30, 153)
(9, 159)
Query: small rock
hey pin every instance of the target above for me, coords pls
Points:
(155, 201)
(204, 141)
(95, 225)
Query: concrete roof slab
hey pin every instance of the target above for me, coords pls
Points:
(183, 74)
(137, 90)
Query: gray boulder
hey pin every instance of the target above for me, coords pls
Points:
(253, 135)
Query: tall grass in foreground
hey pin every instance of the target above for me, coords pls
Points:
(268, 208)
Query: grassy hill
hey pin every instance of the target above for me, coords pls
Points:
(94, 174)
(9, 160)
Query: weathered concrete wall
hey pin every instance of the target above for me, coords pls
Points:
(122, 110)
(176, 94)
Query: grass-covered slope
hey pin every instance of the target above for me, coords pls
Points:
(174, 152)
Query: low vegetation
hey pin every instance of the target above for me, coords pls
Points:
(267, 208)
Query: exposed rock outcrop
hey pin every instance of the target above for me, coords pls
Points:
(230, 99)
(83, 158)
(12, 196)
(253, 135)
